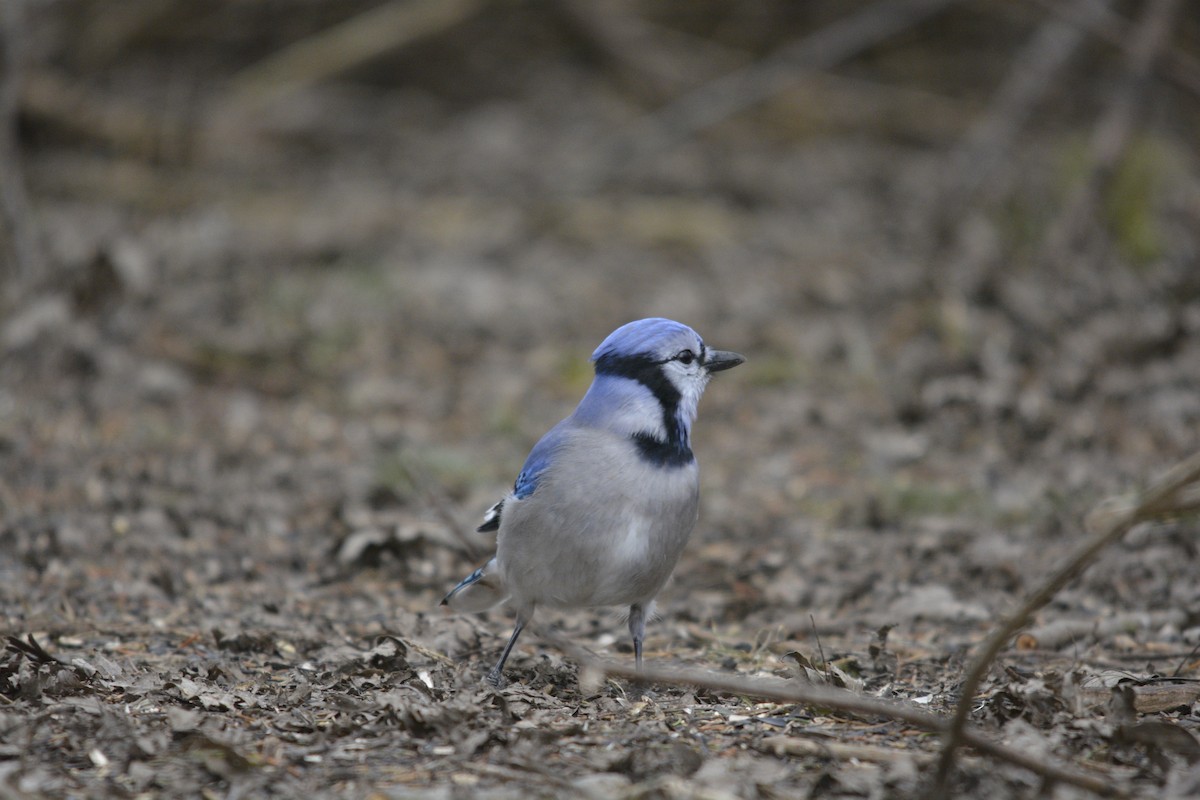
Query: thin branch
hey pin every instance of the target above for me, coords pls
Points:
(839, 700)
(1030, 77)
(1176, 65)
(33, 650)
(1112, 133)
(130, 128)
(114, 27)
(1158, 501)
(348, 44)
(1186, 659)
(649, 60)
(745, 88)
(846, 751)
(1061, 631)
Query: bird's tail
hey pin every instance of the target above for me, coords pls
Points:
(479, 591)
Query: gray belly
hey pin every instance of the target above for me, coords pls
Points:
(598, 542)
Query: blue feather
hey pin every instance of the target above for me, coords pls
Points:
(463, 584)
(540, 457)
(480, 590)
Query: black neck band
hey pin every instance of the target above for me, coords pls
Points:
(676, 450)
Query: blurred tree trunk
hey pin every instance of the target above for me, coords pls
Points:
(21, 255)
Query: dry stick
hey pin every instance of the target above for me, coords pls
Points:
(1158, 501)
(745, 88)
(1185, 660)
(821, 650)
(130, 128)
(336, 49)
(1060, 631)
(617, 39)
(112, 34)
(839, 700)
(1112, 133)
(1029, 78)
(1178, 66)
(650, 61)
(843, 751)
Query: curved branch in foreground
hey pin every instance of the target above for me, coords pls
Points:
(1166, 497)
(591, 668)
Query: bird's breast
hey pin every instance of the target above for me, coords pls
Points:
(605, 528)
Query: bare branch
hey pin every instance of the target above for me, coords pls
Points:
(1158, 501)
(840, 700)
(1061, 631)
(336, 49)
(130, 128)
(1029, 79)
(1178, 66)
(745, 88)
(651, 61)
(1112, 133)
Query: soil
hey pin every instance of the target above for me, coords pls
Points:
(280, 364)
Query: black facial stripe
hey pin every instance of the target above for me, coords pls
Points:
(675, 451)
(646, 371)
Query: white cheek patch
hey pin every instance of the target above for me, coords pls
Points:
(690, 385)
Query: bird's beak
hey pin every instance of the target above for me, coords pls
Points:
(717, 360)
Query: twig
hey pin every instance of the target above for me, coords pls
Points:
(1178, 66)
(1157, 502)
(519, 774)
(1059, 632)
(649, 60)
(33, 650)
(1029, 78)
(115, 27)
(1185, 660)
(844, 701)
(824, 661)
(820, 748)
(742, 89)
(1113, 131)
(350, 43)
(128, 127)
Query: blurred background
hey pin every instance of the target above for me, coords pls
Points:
(291, 287)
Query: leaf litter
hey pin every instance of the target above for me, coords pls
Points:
(220, 578)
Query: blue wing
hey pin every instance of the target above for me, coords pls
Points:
(540, 457)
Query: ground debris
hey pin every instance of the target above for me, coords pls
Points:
(280, 364)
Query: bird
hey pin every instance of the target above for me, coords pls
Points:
(608, 497)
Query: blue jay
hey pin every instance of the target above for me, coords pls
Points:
(608, 497)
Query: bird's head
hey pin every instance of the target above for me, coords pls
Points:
(667, 358)
(657, 349)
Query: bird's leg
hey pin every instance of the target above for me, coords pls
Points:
(496, 676)
(637, 629)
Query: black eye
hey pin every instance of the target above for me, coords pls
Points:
(686, 357)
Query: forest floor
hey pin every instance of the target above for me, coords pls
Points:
(245, 437)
